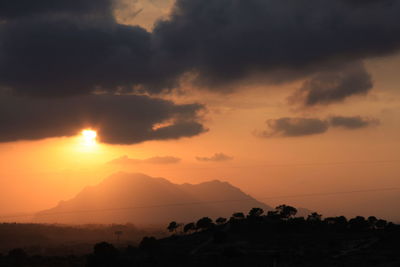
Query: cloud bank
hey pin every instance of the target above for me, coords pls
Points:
(334, 86)
(126, 119)
(228, 40)
(296, 127)
(61, 49)
(12, 9)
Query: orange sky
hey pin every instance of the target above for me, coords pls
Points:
(36, 175)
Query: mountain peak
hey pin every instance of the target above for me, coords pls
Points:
(142, 199)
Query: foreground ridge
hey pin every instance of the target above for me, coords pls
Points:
(274, 238)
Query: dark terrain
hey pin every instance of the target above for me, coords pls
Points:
(277, 238)
(61, 240)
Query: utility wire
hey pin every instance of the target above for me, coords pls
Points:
(309, 164)
(332, 163)
(334, 193)
(201, 203)
(335, 163)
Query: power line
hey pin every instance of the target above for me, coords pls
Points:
(332, 163)
(336, 163)
(200, 203)
(334, 193)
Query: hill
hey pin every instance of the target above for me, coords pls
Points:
(141, 199)
(276, 238)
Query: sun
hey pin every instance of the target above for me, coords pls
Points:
(89, 138)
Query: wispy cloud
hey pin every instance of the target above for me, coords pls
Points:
(125, 160)
(217, 157)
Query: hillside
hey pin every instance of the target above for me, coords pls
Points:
(277, 238)
(140, 199)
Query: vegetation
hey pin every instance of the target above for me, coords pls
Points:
(275, 238)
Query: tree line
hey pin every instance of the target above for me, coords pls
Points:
(281, 213)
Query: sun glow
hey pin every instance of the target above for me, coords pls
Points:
(89, 138)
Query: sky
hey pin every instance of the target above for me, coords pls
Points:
(280, 98)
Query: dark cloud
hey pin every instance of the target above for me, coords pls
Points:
(334, 85)
(217, 157)
(292, 127)
(367, 2)
(117, 119)
(84, 49)
(356, 122)
(11, 9)
(295, 127)
(64, 48)
(61, 57)
(125, 160)
(225, 41)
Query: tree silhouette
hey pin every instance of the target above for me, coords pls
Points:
(372, 220)
(220, 220)
(189, 228)
(104, 254)
(286, 212)
(256, 212)
(358, 223)
(204, 223)
(240, 242)
(341, 221)
(238, 216)
(314, 217)
(273, 214)
(104, 248)
(337, 222)
(381, 224)
(173, 226)
(149, 244)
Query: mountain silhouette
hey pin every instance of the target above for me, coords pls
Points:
(141, 199)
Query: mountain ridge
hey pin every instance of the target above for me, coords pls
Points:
(141, 199)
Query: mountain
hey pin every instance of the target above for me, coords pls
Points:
(141, 199)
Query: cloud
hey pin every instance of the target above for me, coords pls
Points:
(11, 9)
(226, 41)
(60, 57)
(334, 85)
(54, 50)
(126, 119)
(218, 157)
(350, 123)
(296, 127)
(125, 160)
(293, 127)
(63, 47)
